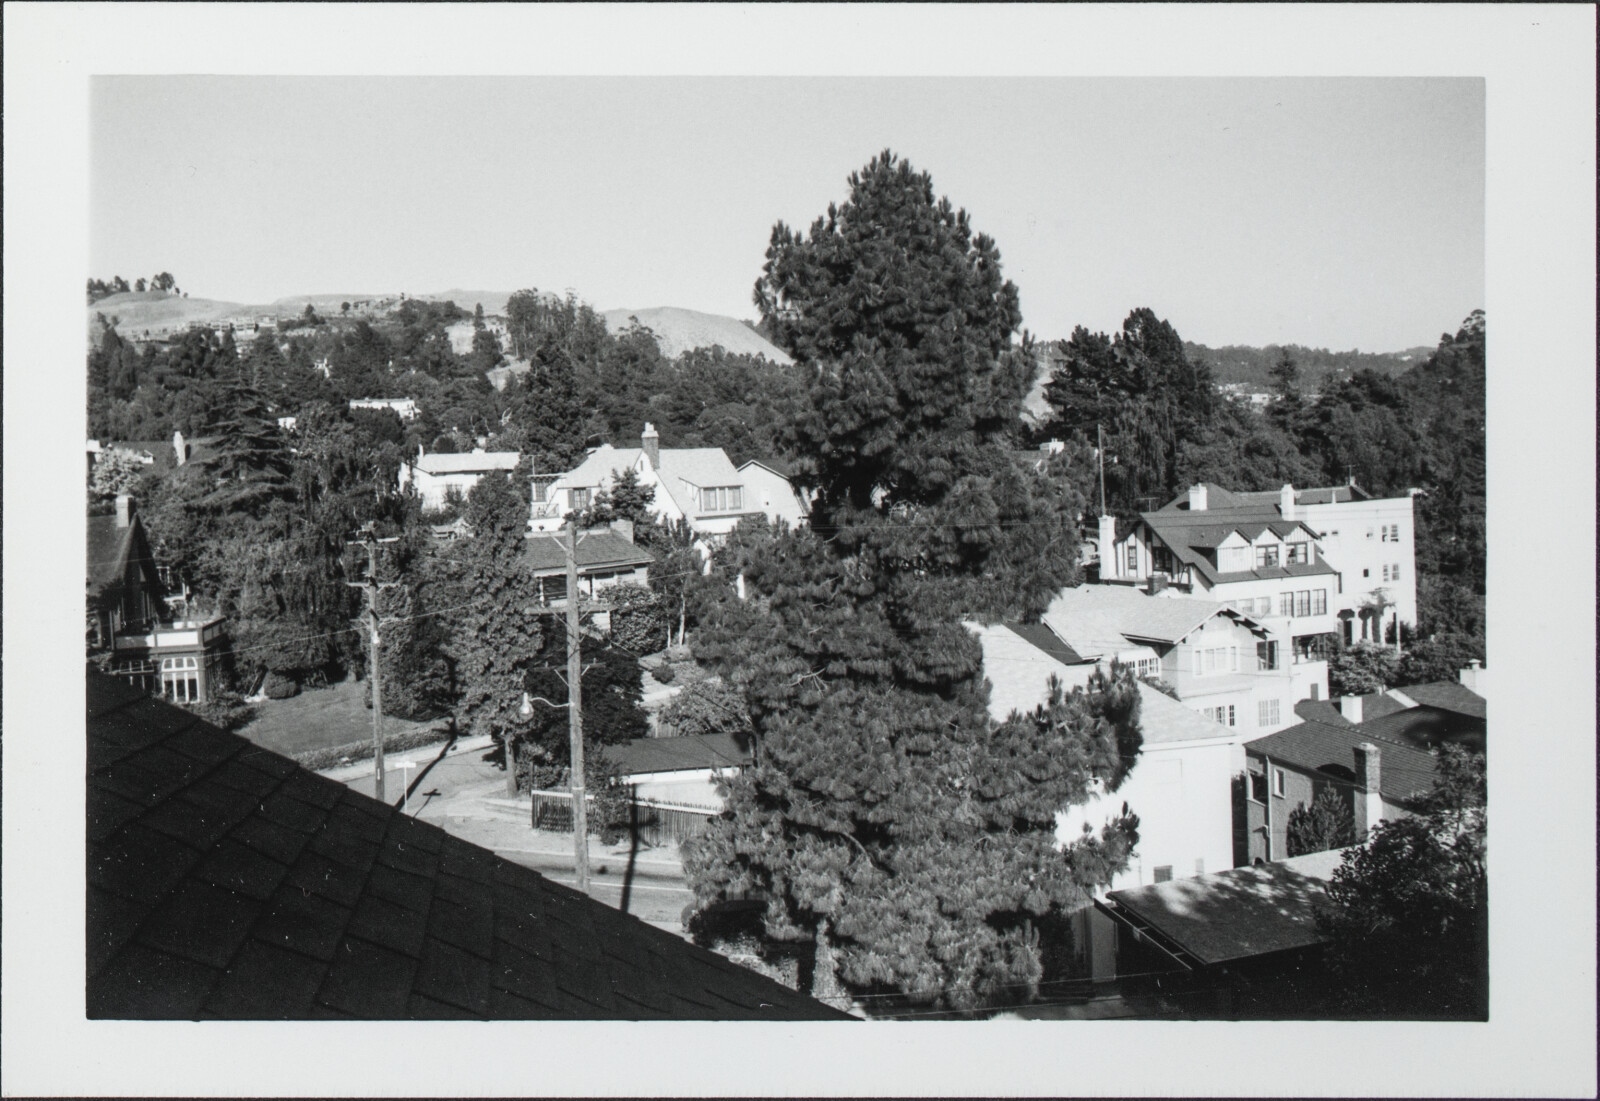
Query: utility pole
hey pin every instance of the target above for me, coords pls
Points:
(1100, 453)
(371, 587)
(580, 817)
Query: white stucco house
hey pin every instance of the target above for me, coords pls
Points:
(769, 486)
(434, 476)
(697, 485)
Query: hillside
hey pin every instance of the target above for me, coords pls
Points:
(137, 311)
(1253, 366)
(678, 331)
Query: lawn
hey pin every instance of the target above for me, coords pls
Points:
(320, 718)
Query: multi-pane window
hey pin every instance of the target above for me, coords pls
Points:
(1298, 552)
(1267, 713)
(1319, 602)
(1302, 602)
(1286, 603)
(580, 498)
(1266, 656)
(1223, 715)
(1163, 873)
(1266, 556)
(1258, 787)
(1216, 659)
(180, 679)
(722, 499)
(1391, 572)
(1391, 533)
(1133, 558)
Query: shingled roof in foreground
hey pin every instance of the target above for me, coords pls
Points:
(224, 881)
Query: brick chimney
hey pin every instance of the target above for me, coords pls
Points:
(1350, 708)
(125, 510)
(1197, 497)
(650, 441)
(1108, 547)
(1286, 502)
(1369, 777)
(180, 447)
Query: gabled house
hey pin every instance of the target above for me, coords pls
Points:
(696, 485)
(131, 629)
(227, 883)
(681, 771)
(769, 486)
(1221, 662)
(442, 475)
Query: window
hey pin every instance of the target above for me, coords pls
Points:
(1316, 691)
(1163, 873)
(1266, 656)
(1302, 602)
(1147, 667)
(180, 679)
(1298, 552)
(1319, 602)
(1370, 532)
(580, 499)
(1277, 782)
(1216, 659)
(1267, 713)
(1286, 603)
(1258, 787)
(1391, 533)
(1266, 556)
(1366, 572)
(1394, 572)
(1133, 558)
(1223, 716)
(722, 499)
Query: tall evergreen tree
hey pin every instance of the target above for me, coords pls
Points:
(888, 822)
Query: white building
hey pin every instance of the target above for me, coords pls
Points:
(434, 476)
(698, 485)
(769, 487)
(405, 407)
(1181, 784)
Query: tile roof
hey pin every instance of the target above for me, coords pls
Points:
(109, 548)
(1163, 720)
(224, 881)
(1405, 772)
(596, 549)
(467, 462)
(679, 469)
(1239, 913)
(1448, 695)
(1321, 711)
(781, 467)
(1128, 612)
(1043, 638)
(1190, 534)
(642, 755)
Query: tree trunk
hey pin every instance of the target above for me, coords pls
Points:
(825, 986)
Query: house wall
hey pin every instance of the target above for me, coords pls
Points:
(435, 488)
(694, 787)
(548, 515)
(1352, 540)
(1180, 793)
(1019, 674)
(773, 495)
(1243, 690)
(1299, 788)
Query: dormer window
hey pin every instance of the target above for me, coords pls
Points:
(1267, 556)
(1298, 552)
(722, 499)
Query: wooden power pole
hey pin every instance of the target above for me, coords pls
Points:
(371, 587)
(580, 816)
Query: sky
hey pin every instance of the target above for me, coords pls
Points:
(1328, 212)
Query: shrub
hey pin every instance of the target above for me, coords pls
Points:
(709, 707)
(638, 621)
(1328, 824)
(225, 710)
(280, 686)
(664, 673)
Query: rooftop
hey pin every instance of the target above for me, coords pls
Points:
(109, 551)
(1218, 497)
(467, 462)
(680, 468)
(1448, 695)
(596, 550)
(1405, 772)
(644, 755)
(1424, 727)
(1239, 913)
(226, 882)
(1096, 620)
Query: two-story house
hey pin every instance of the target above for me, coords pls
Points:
(441, 476)
(130, 626)
(696, 485)
(1220, 661)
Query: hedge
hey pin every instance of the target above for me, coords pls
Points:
(332, 757)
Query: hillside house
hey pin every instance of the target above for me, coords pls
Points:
(680, 772)
(696, 485)
(770, 486)
(605, 557)
(130, 625)
(436, 476)
(1220, 661)
(1180, 785)
(405, 408)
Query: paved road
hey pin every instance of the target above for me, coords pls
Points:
(457, 792)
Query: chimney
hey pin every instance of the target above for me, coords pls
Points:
(1472, 677)
(1350, 708)
(623, 528)
(180, 447)
(1158, 582)
(125, 510)
(1108, 547)
(1369, 800)
(1286, 502)
(650, 441)
(1197, 497)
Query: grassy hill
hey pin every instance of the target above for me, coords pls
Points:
(140, 310)
(1253, 366)
(678, 331)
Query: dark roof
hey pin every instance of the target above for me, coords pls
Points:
(1190, 535)
(1238, 913)
(1220, 498)
(1424, 727)
(1321, 711)
(110, 551)
(1404, 772)
(596, 550)
(224, 881)
(781, 467)
(1375, 705)
(1448, 695)
(677, 754)
(1047, 640)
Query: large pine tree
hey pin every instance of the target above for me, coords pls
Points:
(888, 822)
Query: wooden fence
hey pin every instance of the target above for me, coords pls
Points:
(654, 822)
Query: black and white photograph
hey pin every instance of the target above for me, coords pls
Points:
(842, 550)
